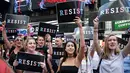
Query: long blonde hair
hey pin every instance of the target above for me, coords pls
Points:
(107, 51)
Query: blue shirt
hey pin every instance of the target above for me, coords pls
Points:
(127, 64)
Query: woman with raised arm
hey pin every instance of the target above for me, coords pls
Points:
(71, 61)
(112, 56)
(13, 50)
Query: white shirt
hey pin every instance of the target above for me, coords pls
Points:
(95, 60)
(112, 65)
(86, 66)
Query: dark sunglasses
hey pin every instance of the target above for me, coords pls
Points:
(19, 40)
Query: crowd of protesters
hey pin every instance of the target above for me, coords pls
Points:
(82, 59)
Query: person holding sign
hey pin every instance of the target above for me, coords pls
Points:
(112, 57)
(13, 49)
(30, 45)
(86, 64)
(43, 47)
(71, 61)
(49, 55)
(57, 53)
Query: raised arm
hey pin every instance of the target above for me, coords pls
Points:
(82, 42)
(49, 58)
(95, 36)
(28, 30)
(50, 50)
(5, 36)
(126, 49)
(49, 44)
(92, 51)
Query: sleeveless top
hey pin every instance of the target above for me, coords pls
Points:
(69, 69)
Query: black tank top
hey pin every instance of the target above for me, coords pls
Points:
(69, 69)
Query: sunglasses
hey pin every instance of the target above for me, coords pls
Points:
(19, 40)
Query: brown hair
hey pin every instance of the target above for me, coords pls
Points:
(39, 37)
(1, 49)
(107, 50)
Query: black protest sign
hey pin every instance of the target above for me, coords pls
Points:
(59, 34)
(16, 21)
(69, 38)
(57, 52)
(91, 16)
(29, 62)
(34, 29)
(67, 11)
(101, 34)
(11, 32)
(87, 42)
(125, 37)
(87, 30)
(47, 29)
(115, 10)
(122, 43)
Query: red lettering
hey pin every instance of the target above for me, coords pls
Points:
(54, 1)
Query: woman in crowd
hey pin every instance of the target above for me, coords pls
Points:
(30, 45)
(71, 61)
(112, 57)
(86, 64)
